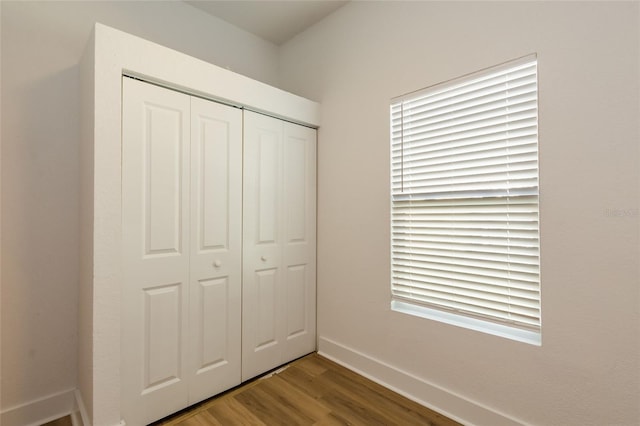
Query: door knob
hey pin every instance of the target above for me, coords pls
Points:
(263, 258)
(217, 263)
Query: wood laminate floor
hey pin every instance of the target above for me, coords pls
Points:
(309, 391)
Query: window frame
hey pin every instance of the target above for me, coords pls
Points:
(491, 325)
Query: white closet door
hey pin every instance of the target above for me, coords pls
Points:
(299, 240)
(216, 249)
(155, 217)
(278, 242)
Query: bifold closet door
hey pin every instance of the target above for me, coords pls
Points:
(215, 297)
(279, 243)
(181, 180)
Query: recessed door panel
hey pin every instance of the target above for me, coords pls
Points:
(213, 142)
(268, 186)
(261, 324)
(163, 139)
(266, 300)
(295, 189)
(297, 285)
(162, 328)
(212, 348)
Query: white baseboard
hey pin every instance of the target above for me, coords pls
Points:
(80, 417)
(39, 411)
(49, 408)
(419, 390)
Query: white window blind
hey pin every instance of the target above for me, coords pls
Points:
(464, 161)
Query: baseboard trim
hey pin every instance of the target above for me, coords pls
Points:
(80, 417)
(419, 390)
(39, 411)
(49, 408)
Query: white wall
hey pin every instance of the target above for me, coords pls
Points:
(41, 45)
(587, 370)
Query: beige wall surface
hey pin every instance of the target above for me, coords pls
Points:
(42, 43)
(587, 370)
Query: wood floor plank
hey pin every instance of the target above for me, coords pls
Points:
(228, 411)
(201, 418)
(268, 409)
(332, 419)
(353, 411)
(301, 379)
(313, 365)
(293, 398)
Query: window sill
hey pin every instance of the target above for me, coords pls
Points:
(530, 337)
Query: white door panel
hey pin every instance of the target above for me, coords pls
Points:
(262, 294)
(267, 179)
(295, 190)
(296, 282)
(163, 171)
(162, 321)
(299, 239)
(216, 251)
(182, 184)
(266, 307)
(279, 243)
(155, 190)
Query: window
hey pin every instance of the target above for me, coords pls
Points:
(464, 202)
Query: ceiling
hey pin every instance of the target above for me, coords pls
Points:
(275, 21)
